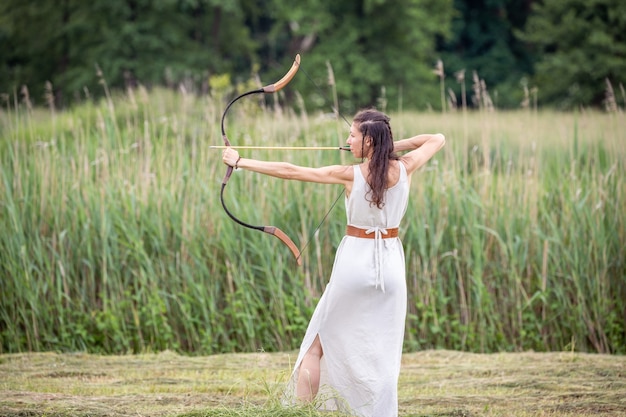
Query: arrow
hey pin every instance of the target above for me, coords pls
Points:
(286, 148)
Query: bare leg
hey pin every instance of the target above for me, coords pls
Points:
(309, 373)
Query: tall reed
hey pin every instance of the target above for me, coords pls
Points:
(114, 240)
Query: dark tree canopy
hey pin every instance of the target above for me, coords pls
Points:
(383, 52)
(580, 44)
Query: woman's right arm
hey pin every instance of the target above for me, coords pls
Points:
(421, 148)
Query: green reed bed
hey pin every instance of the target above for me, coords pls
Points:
(516, 244)
(114, 240)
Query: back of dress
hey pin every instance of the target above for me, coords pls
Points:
(362, 214)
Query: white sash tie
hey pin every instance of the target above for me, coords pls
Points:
(378, 254)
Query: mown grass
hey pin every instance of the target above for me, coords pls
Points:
(432, 383)
(114, 240)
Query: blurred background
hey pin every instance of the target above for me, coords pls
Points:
(558, 53)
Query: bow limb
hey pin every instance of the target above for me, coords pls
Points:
(272, 230)
(278, 85)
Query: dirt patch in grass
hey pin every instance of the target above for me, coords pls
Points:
(432, 383)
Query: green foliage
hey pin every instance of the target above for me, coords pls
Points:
(382, 51)
(77, 45)
(483, 41)
(129, 42)
(370, 46)
(580, 44)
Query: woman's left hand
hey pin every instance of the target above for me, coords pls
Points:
(230, 157)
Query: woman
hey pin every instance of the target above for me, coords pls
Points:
(349, 359)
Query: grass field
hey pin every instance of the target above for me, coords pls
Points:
(432, 383)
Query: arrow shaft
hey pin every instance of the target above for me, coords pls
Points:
(290, 148)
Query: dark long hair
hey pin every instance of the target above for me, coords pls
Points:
(375, 125)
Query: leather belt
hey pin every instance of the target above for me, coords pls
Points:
(362, 233)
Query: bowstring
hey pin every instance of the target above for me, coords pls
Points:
(323, 93)
(337, 113)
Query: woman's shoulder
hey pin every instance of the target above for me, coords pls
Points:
(341, 172)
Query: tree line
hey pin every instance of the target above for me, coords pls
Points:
(390, 53)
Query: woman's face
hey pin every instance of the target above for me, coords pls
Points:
(355, 140)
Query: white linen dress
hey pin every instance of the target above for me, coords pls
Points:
(361, 314)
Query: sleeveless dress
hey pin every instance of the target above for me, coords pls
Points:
(361, 314)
